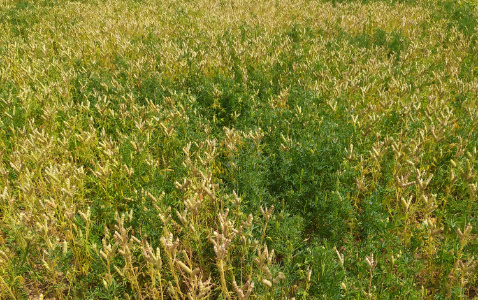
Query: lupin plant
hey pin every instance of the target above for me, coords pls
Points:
(238, 149)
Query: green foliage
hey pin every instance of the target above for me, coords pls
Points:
(461, 14)
(164, 150)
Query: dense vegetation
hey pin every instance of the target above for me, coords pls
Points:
(238, 149)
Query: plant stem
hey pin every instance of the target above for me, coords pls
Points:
(220, 265)
(8, 288)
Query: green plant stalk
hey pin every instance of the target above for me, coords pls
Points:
(264, 232)
(8, 288)
(370, 282)
(110, 276)
(55, 281)
(171, 267)
(153, 279)
(430, 256)
(134, 279)
(455, 265)
(220, 265)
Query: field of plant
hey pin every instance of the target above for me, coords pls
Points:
(238, 149)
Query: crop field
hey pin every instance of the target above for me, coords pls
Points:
(238, 149)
